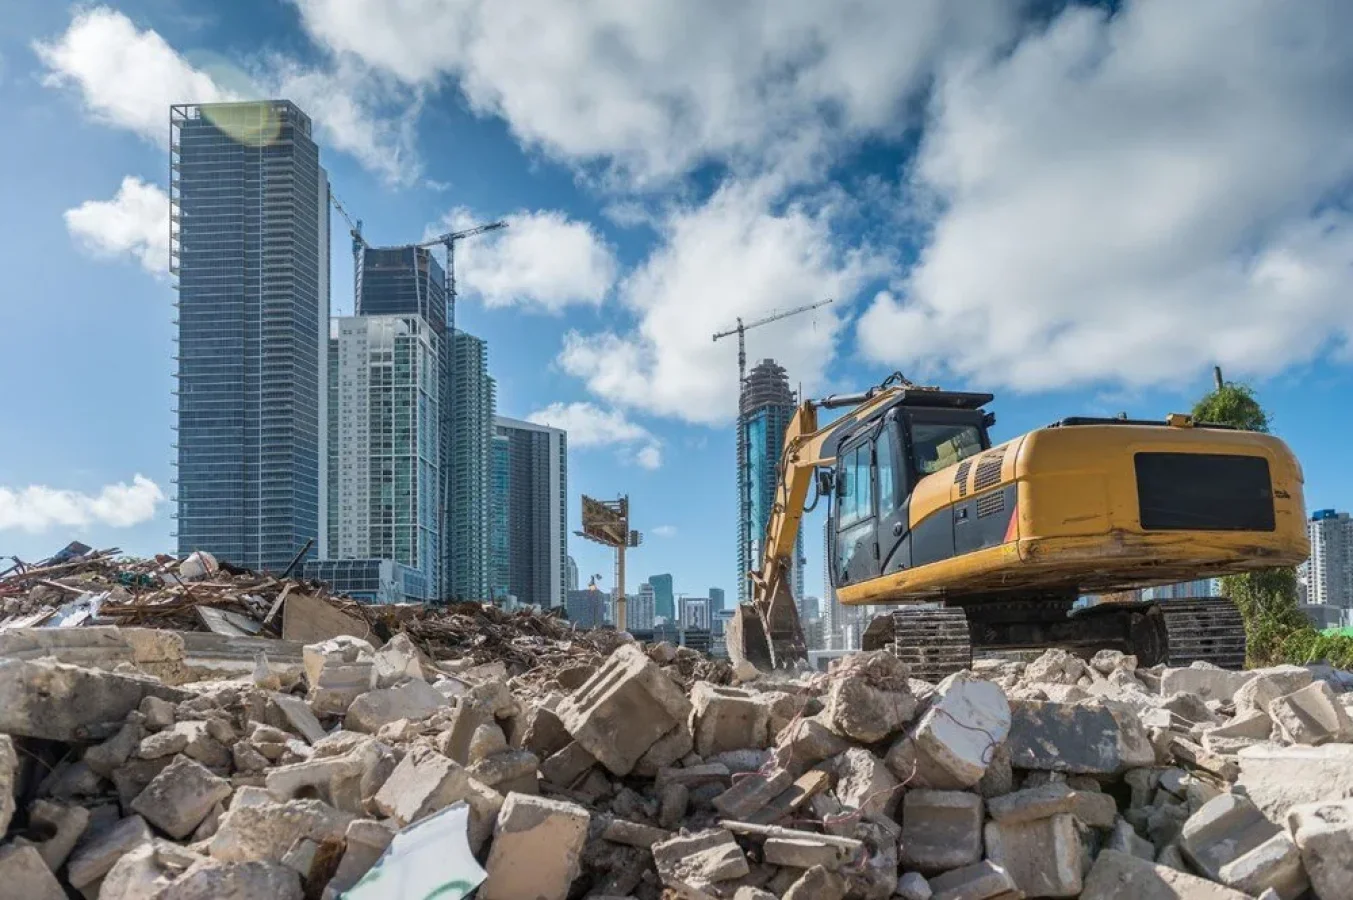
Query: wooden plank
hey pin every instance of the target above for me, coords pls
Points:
(309, 620)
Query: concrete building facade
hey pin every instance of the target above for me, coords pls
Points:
(537, 514)
(641, 611)
(1329, 577)
(249, 253)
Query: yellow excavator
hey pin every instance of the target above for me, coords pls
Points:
(993, 547)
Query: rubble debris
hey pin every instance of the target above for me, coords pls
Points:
(24, 874)
(463, 743)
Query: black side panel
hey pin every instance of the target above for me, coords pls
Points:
(932, 539)
(981, 521)
(1204, 492)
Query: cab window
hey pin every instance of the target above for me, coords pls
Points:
(887, 468)
(856, 486)
(936, 445)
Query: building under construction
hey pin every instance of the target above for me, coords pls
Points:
(765, 407)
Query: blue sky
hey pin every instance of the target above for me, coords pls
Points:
(1079, 211)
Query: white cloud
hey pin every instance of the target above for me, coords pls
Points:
(135, 222)
(38, 507)
(654, 88)
(542, 260)
(663, 531)
(1131, 198)
(588, 425)
(736, 255)
(128, 78)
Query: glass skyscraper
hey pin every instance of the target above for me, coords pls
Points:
(537, 515)
(249, 246)
(765, 408)
(410, 281)
(664, 601)
(500, 537)
(472, 407)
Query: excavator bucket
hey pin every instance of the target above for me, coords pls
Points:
(768, 636)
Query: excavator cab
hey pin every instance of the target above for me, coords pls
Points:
(878, 467)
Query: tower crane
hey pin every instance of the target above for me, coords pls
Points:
(744, 449)
(742, 327)
(358, 244)
(449, 240)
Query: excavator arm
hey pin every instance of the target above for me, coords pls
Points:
(766, 631)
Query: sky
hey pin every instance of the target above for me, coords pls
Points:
(1081, 209)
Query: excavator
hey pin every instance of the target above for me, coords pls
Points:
(1001, 547)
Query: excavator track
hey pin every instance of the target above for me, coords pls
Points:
(1204, 629)
(933, 641)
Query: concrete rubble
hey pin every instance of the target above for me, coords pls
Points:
(587, 765)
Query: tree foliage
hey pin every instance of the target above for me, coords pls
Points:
(1276, 630)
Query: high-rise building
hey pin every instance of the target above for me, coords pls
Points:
(695, 612)
(537, 515)
(664, 602)
(641, 612)
(716, 600)
(500, 535)
(384, 472)
(765, 408)
(809, 609)
(571, 573)
(1329, 578)
(587, 608)
(410, 281)
(472, 407)
(249, 246)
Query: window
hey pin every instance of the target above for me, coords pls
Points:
(936, 446)
(856, 487)
(887, 469)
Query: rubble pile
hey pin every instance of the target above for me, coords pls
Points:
(454, 758)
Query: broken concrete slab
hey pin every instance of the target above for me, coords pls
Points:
(24, 874)
(214, 880)
(338, 671)
(1032, 803)
(622, 710)
(1093, 738)
(1042, 856)
(818, 883)
(1121, 876)
(913, 886)
(1055, 666)
(805, 849)
(399, 660)
(1124, 839)
(299, 716)
(42, 698)
(695, 861)
(980, 881)
(97, 856)
(784, 804)
(1279, 778)
(1226, 828)
(180, 797)
(509, 771)
(727, 718)
(1273, 865)
(805, 743)
(537, 847)
(1324, 836)
(1312, 716)
(1204, 681)
(752, 792)
(941, 830)
(1268, 685)
(65, 825)
(414, 700)
(258, 828)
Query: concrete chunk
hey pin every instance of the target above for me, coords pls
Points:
(9, 770)
(1273, 865)
(399, 660)
(818, 883)
(727, 718)
(1084, 738)
(1033, 803)
(425, 782)
(299, 715)
(1268, 685)
(366, 840)
(338, 671)
(941, 830)
(414, 700)
(863, 782)
(805, 743)
(804, 849)
(261, 829)
(1043, 856)
(980, 881)
(1312, 716)
(251, 880)
(537, 848)
(752, 792)
(966, 722)
(869, 697)
(180, 797)
(1121, 876)
(1225, 829)
(93, 860)
(566, 767)
(66, 825)
(913, 886)
(1324, 837)
(1204, 681)
(622, 710)
(1279, 778)
(42, 698)
(24, 874)
(695, 861)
